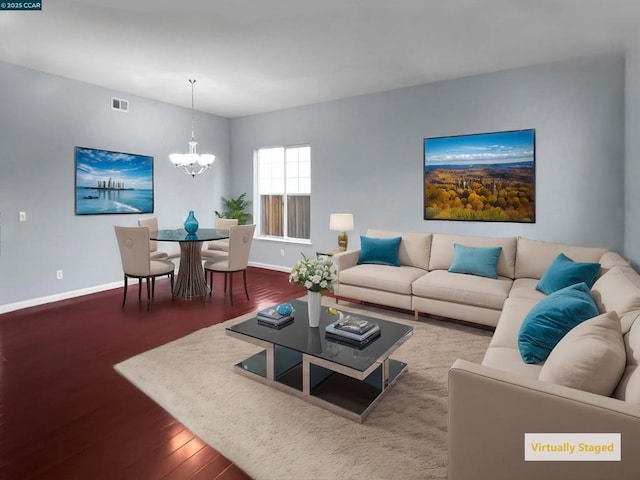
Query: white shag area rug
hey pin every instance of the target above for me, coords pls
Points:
(274, 436)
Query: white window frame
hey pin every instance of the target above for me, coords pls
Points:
(257, 214)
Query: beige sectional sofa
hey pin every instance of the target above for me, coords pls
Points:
(492, 405)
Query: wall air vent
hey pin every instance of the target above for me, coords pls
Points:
(119, 104)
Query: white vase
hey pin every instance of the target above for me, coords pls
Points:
(314, 300)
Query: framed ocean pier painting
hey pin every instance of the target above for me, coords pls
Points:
(113, 182)
(485, 177)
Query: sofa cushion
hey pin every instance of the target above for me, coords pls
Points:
(610, 260)
(514, 311)
(465, 289)
(526, 288)
(628, 388)
(564, 272)
(534, 256)
(481, 261)
(591, 357)
(442, 251)
(415, 248)
(382, 277)
(618, 289)
(551, 318)
(380, 251)
(508, 359)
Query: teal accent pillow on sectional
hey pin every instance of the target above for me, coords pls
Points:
(564, 272)
(380, 251)
(481, 261)
(551, 318)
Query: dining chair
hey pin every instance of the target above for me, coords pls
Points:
(152, 224)
(133, 243)
(237, 260)
(214, 247)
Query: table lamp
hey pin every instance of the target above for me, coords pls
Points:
(342, 222)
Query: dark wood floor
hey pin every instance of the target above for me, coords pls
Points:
(66, 414)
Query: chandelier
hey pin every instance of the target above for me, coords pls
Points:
(192, 163)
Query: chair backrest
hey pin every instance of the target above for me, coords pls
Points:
(240, 238)
(133, 243)
(224, 224)
(152, 224)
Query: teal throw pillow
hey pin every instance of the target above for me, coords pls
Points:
(552, 318)
(380, 251)
(564, 272)
(481, 261)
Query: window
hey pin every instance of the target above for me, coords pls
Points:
(284, 192)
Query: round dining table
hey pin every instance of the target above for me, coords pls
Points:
(191, 281)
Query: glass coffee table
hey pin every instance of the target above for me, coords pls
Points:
(299, 360)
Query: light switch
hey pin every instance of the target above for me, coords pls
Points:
(23, 216)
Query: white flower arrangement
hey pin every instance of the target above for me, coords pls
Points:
(316, 275)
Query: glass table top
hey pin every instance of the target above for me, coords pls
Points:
(181, 235)
(300, 337)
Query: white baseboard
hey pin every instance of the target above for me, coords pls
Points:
(34, 302)
(10, 307)
(270, 267)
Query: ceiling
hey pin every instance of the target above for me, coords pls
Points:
(254, 56)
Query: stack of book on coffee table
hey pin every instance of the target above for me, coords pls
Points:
(271, 318)
(352, 330)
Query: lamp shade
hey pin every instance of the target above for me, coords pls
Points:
(341, 222)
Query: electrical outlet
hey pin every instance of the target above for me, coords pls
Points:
(23, 216)
(59, 274)
(282, 252)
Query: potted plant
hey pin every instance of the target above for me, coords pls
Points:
(235, 208)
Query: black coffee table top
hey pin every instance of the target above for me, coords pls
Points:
(300, 337)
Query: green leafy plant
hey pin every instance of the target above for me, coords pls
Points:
(235, 208)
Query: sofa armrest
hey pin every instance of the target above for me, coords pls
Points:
(490, 411)
(344, 260)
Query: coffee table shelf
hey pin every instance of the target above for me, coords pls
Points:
(345, 380)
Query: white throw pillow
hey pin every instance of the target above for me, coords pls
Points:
(590, 357)
(618, 289)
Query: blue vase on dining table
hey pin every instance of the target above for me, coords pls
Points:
(191, 224)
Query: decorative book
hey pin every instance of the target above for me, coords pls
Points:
(352, 342)
(332, 330)
(355, 325)
(278, 325)
(271, 316)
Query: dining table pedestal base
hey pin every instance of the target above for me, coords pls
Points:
(191, 281)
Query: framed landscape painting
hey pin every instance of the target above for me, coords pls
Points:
(113, 182)
(487, 177)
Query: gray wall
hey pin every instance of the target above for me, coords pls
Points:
(367, 152)
(366, 159)
(632, 168)
(42, 119)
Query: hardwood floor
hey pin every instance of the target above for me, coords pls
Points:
(65, 413)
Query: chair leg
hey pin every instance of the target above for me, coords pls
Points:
(148, 294)
(124, 297)
(171, 278)
(210, 272)
(139, 289)
(225, 283)
(244, 278)
(153, 287)
(231, 287)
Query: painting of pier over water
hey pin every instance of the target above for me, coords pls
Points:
(113, 182)
(487, 177)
